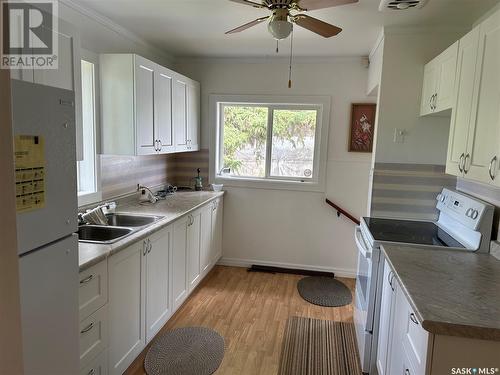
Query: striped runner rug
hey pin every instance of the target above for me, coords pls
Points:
(319, 347)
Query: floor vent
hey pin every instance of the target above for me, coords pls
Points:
(401, 4)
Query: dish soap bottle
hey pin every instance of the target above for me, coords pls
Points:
(198, 181)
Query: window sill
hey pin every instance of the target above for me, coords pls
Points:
(86, 198)
(270, 184)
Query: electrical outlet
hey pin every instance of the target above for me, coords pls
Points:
(399, 135)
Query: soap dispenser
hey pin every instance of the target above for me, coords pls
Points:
(198, 181)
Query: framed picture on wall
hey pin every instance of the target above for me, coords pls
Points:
(362, 127)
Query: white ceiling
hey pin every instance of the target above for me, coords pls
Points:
(195, 28)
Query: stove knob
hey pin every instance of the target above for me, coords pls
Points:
(468, 213)
(441, 198)
(475, 214)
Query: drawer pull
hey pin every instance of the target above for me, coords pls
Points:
(87, 279)
(407, 372)
(88, 328)
(413, 318)
(91, 372)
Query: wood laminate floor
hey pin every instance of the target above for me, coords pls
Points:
(250, 311)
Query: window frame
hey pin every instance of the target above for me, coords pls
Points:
(319, 103)
(86, 197)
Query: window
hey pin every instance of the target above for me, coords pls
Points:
(88, 190)
(276, 142)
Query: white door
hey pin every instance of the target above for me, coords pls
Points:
(179, 261)
(206, 238)
(217, 230)
(429, 88)
(180, 114)
(193, 115)
(386, 320)
(158, 294)
(163, 110)
(461, 113)
(144, 105)
(484, 132)
(447, 69)
(127, 300)
(193, 254)
(396, 354)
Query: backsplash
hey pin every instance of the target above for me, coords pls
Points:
(487, 193)
(408, 190)
(121, 174)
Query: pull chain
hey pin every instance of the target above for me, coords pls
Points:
(291, 60)
(277, 46)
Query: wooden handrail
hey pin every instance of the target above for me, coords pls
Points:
(341, 211)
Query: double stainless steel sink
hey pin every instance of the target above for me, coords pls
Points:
(119, 226)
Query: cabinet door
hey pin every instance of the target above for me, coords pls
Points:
(217, 230)
(180, 114)
(127, 301)
(193, 255)
(386, 320)
(447, 69)
(158, 295)
(193, 116)
(429, 88)
(484, 131)
(144, 106)
(461, 113)
(396, 353)
(163, 110)
(206, 238)
(179, 261)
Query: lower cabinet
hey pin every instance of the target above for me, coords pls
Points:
(206, 257)
(193, 249)
(217, 209)
(179, 261)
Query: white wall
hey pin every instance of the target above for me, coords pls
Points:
(405, 54)
(293, 228)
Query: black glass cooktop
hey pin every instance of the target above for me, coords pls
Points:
(407, 231)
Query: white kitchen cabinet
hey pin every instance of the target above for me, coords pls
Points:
(98, 366)
(439, 82)
(93, 336)
(186, 104)
(93, 290)
(127, 306)
(217, 218)
(158, 292)
(206, 257)
(193, 250)
(474, 144)
(386, 317)
(179, 261)
(461, 113)
(146, 108)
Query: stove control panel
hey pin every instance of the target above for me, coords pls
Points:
(462, 208)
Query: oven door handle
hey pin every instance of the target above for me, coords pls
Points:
(360, 243)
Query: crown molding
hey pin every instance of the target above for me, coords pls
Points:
(113, 26)
(271, 59)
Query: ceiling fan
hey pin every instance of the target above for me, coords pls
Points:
(287, 12)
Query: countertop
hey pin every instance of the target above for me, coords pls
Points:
(172, 208)
(453, 293)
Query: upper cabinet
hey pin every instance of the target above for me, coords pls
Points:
(439, 82)
(146, 108)
(474, 144)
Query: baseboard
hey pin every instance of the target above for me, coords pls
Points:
(237, 262)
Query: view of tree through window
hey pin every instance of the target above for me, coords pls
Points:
(245, 141)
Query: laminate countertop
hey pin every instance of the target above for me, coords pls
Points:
(453, 293)
(172, 208)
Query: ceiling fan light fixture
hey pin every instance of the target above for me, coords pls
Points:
(279, 27)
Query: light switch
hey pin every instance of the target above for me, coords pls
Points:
(399, 135)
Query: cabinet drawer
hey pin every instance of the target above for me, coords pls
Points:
(93, 335)
(93, 291)
(408, 368)
(415, 341)
(98, 366)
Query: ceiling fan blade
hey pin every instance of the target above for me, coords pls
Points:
(317, 26)
(251, 3)
(247, 25)
(321, 4)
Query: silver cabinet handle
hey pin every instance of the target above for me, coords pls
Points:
(413, 318)
(491, 170)
(460, 162)
(430, 101)
(87, 279)
(145, 248)
(91, 372)
(156, 145)
(88, 328)
(467, 157)
(161, 145)
(150, 246)
(407, 372)
(435, 101)
(389, 278)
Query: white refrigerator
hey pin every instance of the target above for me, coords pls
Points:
(46, 202)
